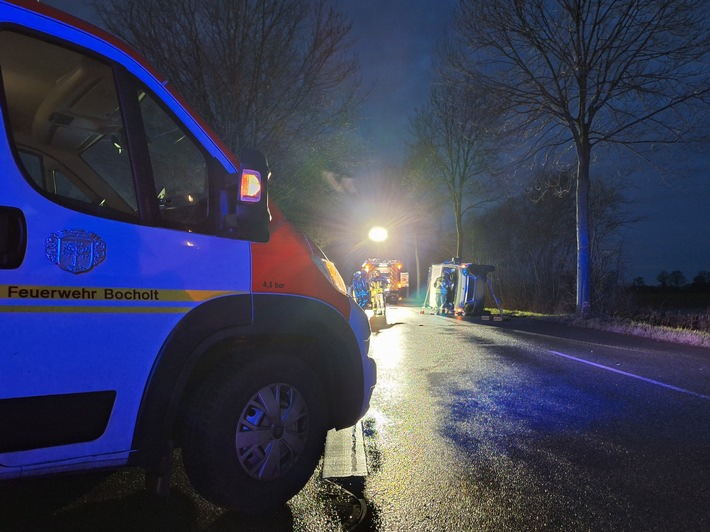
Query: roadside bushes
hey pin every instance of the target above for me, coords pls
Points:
(530, 238)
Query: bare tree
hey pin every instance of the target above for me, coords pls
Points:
(452, 147)
(278, 75)
(676, 279)
(422, 196)
(663, 279)
(701, 280)
(574, 74)
(530, 238)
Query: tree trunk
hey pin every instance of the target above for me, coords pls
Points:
(416, 260)
(583, 250)
(459, 229)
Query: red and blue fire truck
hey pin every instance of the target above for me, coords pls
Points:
(152, 297)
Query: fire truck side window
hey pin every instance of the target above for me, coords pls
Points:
(66, 124)
(179, 167)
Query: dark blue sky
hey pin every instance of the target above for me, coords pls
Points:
(675, 232)
(395, 42)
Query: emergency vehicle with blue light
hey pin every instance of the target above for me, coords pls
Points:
(151, 296)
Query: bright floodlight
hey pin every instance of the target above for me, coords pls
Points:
(377, 234)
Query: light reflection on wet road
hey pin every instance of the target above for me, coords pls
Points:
(479, 427)
(473, 426)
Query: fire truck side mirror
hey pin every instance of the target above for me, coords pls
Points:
(244, 199)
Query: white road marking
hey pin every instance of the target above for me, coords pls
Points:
(650, 381)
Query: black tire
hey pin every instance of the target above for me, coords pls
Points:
(278, 453)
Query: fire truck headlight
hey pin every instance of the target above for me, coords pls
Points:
(331, 273)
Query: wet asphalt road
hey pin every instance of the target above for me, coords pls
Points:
(492, 426)
(514, 425)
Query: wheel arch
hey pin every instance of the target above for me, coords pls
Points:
(243, 326)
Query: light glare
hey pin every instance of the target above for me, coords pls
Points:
(377, 234)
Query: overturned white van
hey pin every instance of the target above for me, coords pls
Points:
(466, 293)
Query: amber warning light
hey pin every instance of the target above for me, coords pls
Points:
(251, 186)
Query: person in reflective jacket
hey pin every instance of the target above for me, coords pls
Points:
(441, 285)
(377, 294)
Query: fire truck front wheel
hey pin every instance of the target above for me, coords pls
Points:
(254, 434)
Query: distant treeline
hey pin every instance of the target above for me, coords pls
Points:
(531, 242)
(674, 281)
(530, 239)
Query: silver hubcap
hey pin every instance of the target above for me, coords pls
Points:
(272, 431)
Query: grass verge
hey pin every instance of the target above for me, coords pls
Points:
(677, 328)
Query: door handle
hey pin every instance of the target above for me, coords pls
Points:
(13, 237)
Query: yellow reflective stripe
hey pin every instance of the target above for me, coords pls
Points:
(95, 310)
(95, 293)
(204, 295)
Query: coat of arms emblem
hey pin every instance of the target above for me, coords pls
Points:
(74, 250)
